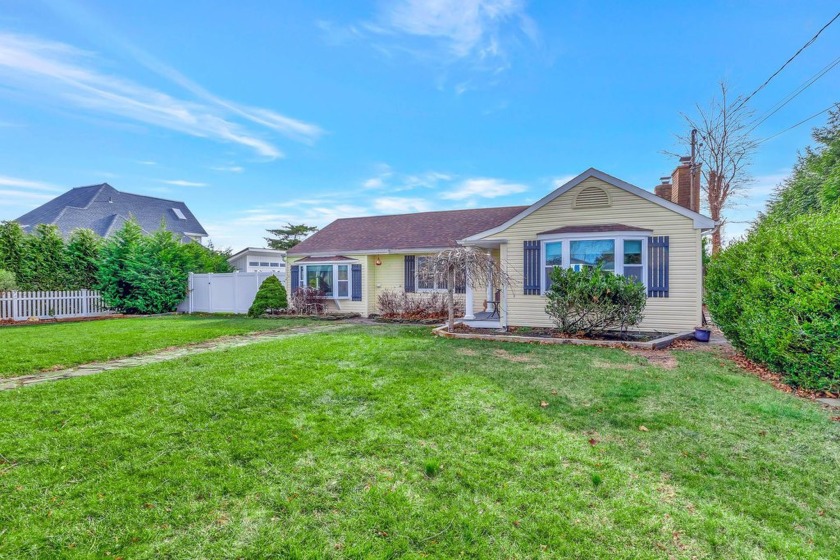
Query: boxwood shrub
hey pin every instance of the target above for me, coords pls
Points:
(776, 297)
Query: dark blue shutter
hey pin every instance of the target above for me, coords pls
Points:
(658, 266)
(295, 278)
(356, 281)
(409, 273)
(531, 267)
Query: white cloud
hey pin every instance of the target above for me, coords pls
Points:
(63, 74)
(562, 180)
(229, 168)
(6, 181)
(183, 183)
(400, 205)
(483, 188)
(147, 162)
(467, 28)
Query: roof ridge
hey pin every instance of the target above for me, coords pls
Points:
(432, 212)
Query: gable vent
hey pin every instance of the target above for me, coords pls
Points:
(592, 197)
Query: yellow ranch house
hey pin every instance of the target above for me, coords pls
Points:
(594, 218)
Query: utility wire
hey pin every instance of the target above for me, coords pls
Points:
(805, 46)
(803, 121)
(773, 110)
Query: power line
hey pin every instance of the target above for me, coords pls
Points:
(805, 46)
(803, 121)
(808, 83)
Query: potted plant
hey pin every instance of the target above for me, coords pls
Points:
(702, 333)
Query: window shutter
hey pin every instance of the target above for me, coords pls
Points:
(295, 278)
(531, 266)
(356, 281)
(658, 266)
(409, 273)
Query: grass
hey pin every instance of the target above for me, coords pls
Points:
(389, 443)
(32, 348)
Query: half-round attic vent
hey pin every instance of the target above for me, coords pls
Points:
(592, 197)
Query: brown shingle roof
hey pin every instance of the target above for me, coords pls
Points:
(599, 228)
(404, 231)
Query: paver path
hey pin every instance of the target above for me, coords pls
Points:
(161, 356)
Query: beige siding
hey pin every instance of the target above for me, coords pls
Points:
(678, 312)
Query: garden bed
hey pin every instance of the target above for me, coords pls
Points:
(284, 314)
(411, 320)
(533, 335)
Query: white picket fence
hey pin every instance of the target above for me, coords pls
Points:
(232, 292)
(62, 304)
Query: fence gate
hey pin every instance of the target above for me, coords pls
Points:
(232, 292)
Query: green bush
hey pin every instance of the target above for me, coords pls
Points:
(82, 258)
(7, 281)
(593, 300)
(776, 297)
(271, 295)
(139, 274)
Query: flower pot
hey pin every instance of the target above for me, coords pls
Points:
(702, 335)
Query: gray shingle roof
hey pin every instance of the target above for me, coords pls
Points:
(104, 209)
(421, 230)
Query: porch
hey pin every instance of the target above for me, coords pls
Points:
(483, 320)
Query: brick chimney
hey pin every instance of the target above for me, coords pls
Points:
(663, 189)
(683, 192)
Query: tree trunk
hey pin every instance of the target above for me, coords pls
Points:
(450, 288)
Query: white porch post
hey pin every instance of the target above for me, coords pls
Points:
(468, 304)
(490, 279)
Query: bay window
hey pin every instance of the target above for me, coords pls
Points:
(331, 279)
(619, 254)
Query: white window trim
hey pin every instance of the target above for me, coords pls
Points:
(417, 287)
(335, 265)
(619, 237)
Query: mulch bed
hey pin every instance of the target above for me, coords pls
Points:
(543, 332)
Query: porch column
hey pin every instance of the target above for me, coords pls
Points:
(490, 279)
(468, 304)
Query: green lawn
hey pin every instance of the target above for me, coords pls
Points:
(388, 442)
(31, 348)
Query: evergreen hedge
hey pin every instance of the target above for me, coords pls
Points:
(271, 295)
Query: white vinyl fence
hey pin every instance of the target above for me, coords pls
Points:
(62, 304)
(232, 292)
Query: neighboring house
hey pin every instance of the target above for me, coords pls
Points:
(256, 259)
(594, 218)
(104, 209)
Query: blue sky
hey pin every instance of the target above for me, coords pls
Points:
(256, 113)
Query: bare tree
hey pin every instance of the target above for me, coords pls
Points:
(724, 153)
(463, 266)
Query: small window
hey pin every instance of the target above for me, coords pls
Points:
(264, 264)
(591, 253)
(274, 265)
(253, 263)
(553, 257)
(179, 214)
(633, 267)
(343, 281)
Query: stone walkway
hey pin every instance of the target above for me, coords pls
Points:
(162, 356)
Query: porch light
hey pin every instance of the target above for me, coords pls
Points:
(378, 261)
